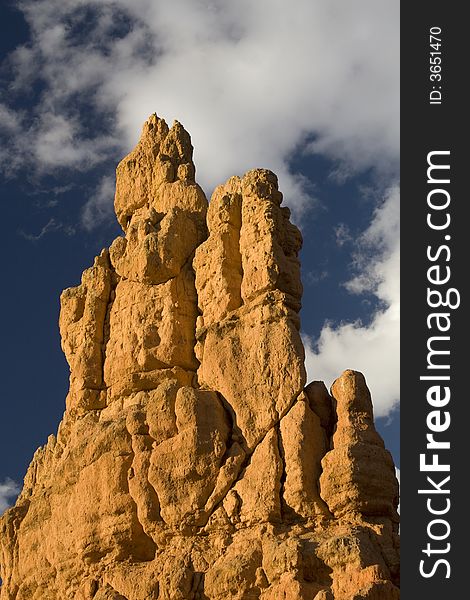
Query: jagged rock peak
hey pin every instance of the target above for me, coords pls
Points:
(193, 462)
(159, 173)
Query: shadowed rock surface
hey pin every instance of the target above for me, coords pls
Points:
(192, 461)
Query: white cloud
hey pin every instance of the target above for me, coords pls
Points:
(100, 206)
(9, 489)
(342, 234)
(57, 142)
(9, 119)
(397, 473)
(373, 348)
(252, 81)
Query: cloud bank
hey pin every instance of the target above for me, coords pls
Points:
(375, 346)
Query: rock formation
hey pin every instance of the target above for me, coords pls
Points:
(192, 461)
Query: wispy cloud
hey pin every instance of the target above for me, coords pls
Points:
(99, 207)
(342, 234)
(373, 348)
(50, 195)
(314, 277)
(9, 489)
(51, 226)
(9, 120)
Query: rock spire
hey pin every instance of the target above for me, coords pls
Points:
(193, 462)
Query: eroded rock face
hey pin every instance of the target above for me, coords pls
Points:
(192, 462)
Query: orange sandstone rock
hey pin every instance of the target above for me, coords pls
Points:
(192, 463)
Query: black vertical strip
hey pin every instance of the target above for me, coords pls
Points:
(434, 568)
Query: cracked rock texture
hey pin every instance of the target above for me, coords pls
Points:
(192, 461)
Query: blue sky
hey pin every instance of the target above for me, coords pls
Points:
(310, 93)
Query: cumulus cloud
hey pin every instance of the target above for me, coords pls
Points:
(9, 489)
(254, 82)
(374, 347)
